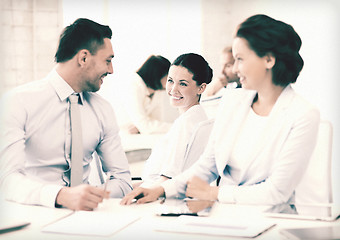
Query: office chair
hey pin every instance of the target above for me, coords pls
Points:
(316, 185)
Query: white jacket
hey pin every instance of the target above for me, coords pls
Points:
(279, 159)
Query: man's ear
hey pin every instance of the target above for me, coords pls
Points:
(270, 60)
(202, 88)
(82, 57)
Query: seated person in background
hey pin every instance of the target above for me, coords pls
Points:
(227, 78)
(36, 141)
(264, 133)
(143, 104)
(187, 79)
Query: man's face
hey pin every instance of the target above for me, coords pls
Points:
(227, 62)
(98, 66)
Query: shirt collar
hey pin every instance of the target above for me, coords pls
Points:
(61, 87)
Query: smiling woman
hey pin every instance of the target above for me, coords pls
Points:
(187, 78)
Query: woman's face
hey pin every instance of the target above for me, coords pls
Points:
(253, 71)
(182, 89)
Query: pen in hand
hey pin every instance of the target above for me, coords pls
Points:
(106, 182)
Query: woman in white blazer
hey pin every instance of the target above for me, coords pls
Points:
(264, 133)
(187, 79)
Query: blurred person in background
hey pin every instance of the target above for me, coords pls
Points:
(227, 78)
(143, 103)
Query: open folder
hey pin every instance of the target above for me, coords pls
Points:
(91, 223)
(218, 226)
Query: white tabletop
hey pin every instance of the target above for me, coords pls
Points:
(144, 227)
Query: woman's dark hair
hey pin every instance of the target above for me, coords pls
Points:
(197, 65)
(82, 34)
(267, 35)
(153, 70)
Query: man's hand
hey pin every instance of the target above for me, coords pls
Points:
(143, 195)
(197, 188)
(132, 129)
(82, 197)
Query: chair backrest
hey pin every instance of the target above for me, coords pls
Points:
(197, 143)
(210, 105)
(316, 184)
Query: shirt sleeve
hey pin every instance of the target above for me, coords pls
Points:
(113, 158)
(14, 183)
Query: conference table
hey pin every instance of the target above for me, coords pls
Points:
(147, 224)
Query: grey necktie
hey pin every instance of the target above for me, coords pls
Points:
(76, 142)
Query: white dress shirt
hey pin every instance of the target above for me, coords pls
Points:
(145, 111)
(167, 157)
(36, 138)
(277, 161)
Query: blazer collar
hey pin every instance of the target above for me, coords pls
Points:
(227, 130)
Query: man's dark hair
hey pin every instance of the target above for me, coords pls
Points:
(82, 34)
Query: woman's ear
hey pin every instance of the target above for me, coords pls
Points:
(270, 60)
(82, 57)
(202, 88)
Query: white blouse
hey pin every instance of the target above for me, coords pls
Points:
(245, 143)
(167, 156)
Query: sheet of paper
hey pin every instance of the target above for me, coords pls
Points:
(218, 226)
(91, 223)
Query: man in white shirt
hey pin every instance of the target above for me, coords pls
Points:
(35, 147)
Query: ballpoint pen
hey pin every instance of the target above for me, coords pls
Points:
(106, 181)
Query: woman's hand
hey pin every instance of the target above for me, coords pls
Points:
(199, 189)
(143, 195)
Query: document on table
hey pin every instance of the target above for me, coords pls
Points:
(91, 223)
(217, 226)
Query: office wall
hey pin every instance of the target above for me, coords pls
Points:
(318, 25)
(29, 35)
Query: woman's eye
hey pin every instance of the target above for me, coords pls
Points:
(170, 81)
(183, 84)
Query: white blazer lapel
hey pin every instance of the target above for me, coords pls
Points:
(232, 113)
